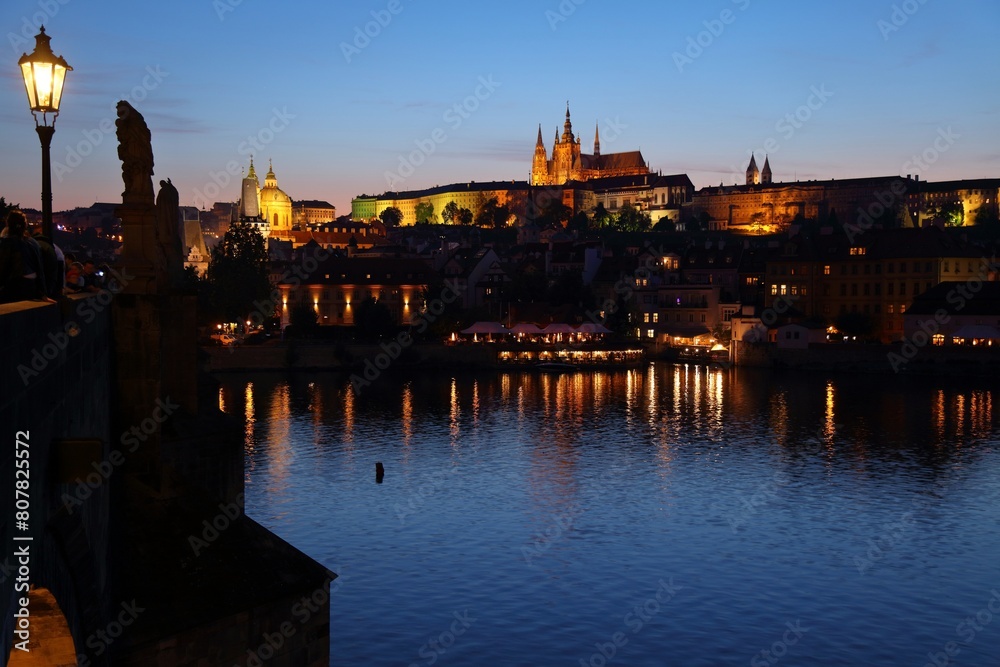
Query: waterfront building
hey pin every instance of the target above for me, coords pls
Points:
(825, 275)
(340, 284)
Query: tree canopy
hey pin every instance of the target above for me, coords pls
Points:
(237, 272)
(391, 217)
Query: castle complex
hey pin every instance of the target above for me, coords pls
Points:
(568, 163)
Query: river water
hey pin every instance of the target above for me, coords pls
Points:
(671, 515)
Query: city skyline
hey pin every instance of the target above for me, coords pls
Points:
(392, 96)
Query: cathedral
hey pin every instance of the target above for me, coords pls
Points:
(569, 164)
(268, 208)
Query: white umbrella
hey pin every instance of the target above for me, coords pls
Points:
(525, 328)
(485, 328)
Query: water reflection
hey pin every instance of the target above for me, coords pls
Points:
(631, 475)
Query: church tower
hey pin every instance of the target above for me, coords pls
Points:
(566, 165)
(753, 174)
(597, 140)
(250, 195)
(540, 163)
(765, 174)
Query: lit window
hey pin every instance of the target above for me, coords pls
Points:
(826, 270)
(650, 333)
(656, 317)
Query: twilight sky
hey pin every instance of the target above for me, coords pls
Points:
(450, 91)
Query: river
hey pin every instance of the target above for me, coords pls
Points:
(670, 515)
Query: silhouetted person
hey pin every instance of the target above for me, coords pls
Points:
(92, 282)
(379, 472)
(22, 276)
(53, 265)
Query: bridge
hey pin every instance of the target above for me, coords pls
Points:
(133, 537)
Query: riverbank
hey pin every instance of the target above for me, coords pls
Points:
(877, 359)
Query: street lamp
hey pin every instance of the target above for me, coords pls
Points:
(44, 74)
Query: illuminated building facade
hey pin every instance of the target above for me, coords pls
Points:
(472, 196)
(877, 276)
(569, 163)
(339, 284)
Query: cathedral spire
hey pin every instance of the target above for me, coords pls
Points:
(557, 135)
(597, 139)
(252, 173)
(765, 174)
(539, 143)
(567, 127)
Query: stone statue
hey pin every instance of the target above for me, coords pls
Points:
(168, 237)
(135, 150)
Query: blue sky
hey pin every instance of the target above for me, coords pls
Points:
(694, 85)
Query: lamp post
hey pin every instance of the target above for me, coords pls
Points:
(44, 74)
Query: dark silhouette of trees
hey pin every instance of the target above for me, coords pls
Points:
(391, 217)
(237, 272)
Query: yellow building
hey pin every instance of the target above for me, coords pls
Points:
(275, 205)
(512, 194)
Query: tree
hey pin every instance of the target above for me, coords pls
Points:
(855, 324)
(579, 222)
(237, 272)
(5, 208)
(757, 223)
(555, 214)
(449, 214)
(391, 217)
(425, 213)
(601, 216)
(665, 225)
(631, 219)
(951, 213)
(986, 216)
(492, 214)
(373, 321)
(303, 318)
(465, 216)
